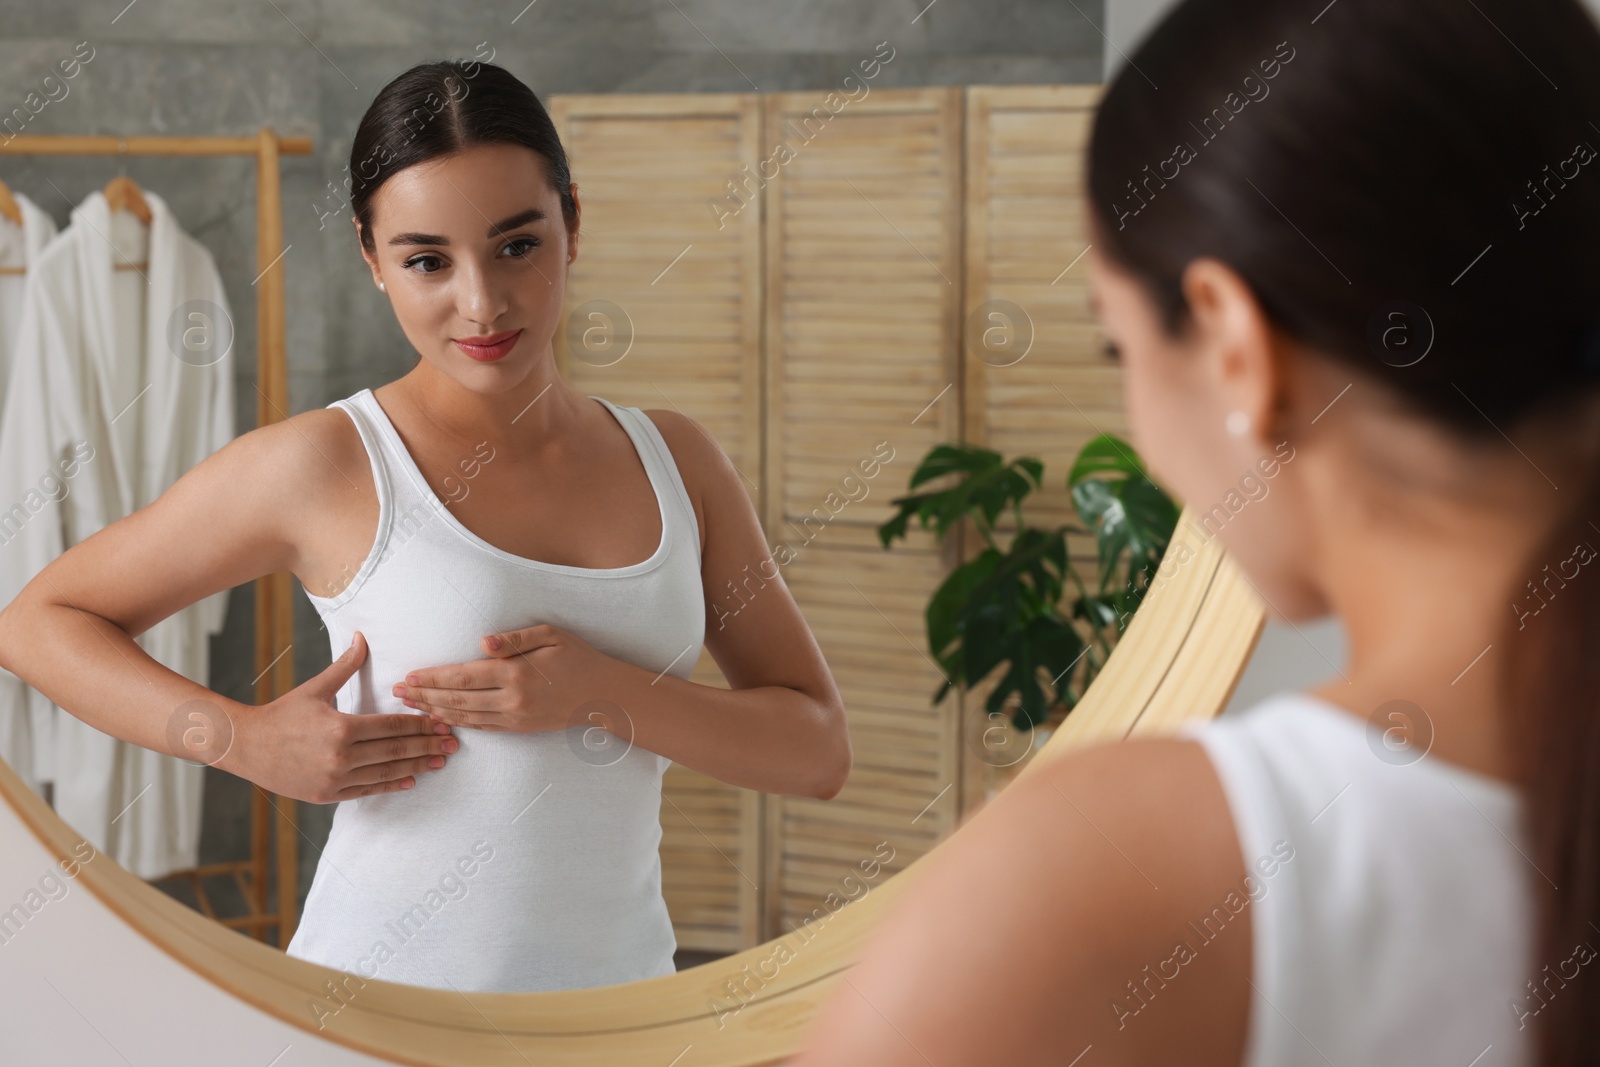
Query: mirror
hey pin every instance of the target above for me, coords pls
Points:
(835, 280)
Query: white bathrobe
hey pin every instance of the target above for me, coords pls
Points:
(102, 416)
(20, 246)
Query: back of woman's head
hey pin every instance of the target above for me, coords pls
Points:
(1429, 165)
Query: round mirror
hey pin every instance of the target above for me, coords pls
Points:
(894, 285)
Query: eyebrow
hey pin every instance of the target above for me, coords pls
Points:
(533, 214)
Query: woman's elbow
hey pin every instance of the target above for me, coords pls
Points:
(838, 737)
(11, 624)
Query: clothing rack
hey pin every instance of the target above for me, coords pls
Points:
(141, 265)
(274, 605)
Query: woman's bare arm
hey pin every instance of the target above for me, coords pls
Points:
(232, 518)
(1049, 926)
(781, 727)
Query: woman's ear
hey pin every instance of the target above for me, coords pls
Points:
(577, 220)
(1237, 345)
(372, 263)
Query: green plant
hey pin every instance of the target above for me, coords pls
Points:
(1004, 608)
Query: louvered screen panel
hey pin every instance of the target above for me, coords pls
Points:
(1025, 228)
(863, 303)
(866, 607)
(1037, 381)
(664, 311)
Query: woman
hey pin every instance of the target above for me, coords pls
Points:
(1373, 233)
(492, 550)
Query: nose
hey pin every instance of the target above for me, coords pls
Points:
(480, 299)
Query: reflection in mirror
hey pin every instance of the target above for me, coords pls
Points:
(797, 544)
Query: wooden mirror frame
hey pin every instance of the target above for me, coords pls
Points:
(1179, 660)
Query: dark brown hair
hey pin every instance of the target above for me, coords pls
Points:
(1433, 158)
(437, 109)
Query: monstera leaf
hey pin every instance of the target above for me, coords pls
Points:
(989, 487)
(1129, 513)
(1003, 610)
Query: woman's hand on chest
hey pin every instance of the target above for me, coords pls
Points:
(533, 679)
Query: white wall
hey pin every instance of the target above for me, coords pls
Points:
(1126, 22)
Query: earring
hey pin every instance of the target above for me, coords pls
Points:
(380, 286)
(1238, 423)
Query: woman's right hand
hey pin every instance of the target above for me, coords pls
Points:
(300, 745)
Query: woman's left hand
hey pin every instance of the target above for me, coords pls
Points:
(537, 678)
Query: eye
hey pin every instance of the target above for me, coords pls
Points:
(411, 264)
(530, 242)
(1111, 351)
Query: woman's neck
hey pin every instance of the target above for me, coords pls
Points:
(527, 417)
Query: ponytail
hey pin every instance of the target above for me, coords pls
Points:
(1552, 694)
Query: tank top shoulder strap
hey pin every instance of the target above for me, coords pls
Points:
(1260, 810)
(1268, 759)
(375, 442)
(662, 468)
(383, 481)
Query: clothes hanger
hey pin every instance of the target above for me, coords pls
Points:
(8, 205)
(122, 193)
(9, 208)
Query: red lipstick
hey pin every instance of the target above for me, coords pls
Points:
(490, 347)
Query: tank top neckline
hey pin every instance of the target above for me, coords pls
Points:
(387, 430)
(1481, 785)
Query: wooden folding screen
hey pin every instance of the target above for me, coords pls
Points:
(863, 302)
(1026, 274)
(805, 281)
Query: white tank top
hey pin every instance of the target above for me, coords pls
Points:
(530, 861)
(1392, 904)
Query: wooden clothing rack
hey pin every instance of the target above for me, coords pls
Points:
(274, 608)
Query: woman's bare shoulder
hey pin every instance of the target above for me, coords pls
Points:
(258, 505)
(697, 456)
(1064, 906)
(1148, 818)
(299, 459)
(296, 476)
